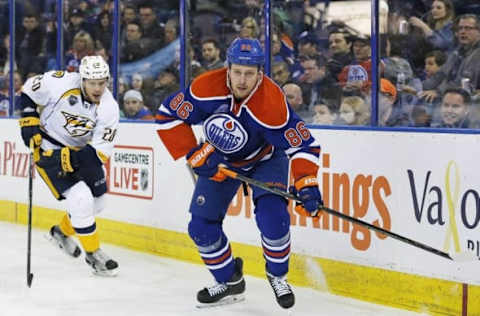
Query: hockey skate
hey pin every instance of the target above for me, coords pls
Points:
(224, 293)
(101, 263)
(282, 290)
(64, 242)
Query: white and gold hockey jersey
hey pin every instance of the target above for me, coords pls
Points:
(69, 119)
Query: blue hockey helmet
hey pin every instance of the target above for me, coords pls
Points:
(245, 51)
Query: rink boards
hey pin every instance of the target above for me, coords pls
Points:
(419, 185)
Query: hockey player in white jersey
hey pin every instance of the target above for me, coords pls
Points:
(69, 120)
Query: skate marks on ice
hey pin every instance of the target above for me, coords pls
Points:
(146, 285)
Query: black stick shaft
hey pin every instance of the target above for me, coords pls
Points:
(29, 234)
(290, 196)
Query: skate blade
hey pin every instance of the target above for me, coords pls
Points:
(107, 273)
(52, 240)
(231, 299)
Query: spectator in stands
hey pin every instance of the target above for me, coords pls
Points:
(171, 31)
(103, 31)
(420, 117)
(275, 46)
(316, 82)
(211, 54)
(151, 27)
(280, 73)
(51, 42)
(29, 43)
(324, 114)
(438, 28)
(5, 59)
(307, 44)
(390, 113)
(293, 93)
(5, 90)
(433, 61)
(87, 9)
(82, 46)
(167, 83)
(195, 66)
(340, 51)
(136, 45)
(76, 24)
(249, 28)
(462, 63)
(141, 84)
(454, 109)
(4, 101)
(129, 14)
(356, 77)
(133, 106)
(122, 87)
(354, 111)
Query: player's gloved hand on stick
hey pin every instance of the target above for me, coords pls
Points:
(306, 189)
(64, 157)
(30, 127)
(204, 161)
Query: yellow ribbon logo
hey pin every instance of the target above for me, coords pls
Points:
(452, 231)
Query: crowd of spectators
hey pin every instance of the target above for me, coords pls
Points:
(429, 52)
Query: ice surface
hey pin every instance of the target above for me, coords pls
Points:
(146, 285)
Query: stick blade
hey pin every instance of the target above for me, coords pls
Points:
(29, 279)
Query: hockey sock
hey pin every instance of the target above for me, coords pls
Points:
(273, 222)
(213, 247)
(66, 226)
(88, 237)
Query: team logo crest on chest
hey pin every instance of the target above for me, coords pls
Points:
(225, 133)
(78, 125)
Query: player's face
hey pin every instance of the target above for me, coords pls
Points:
(243, 79)
(94, 89)
(453, 109)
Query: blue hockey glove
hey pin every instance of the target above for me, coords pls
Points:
(204, 161)
(307, 191)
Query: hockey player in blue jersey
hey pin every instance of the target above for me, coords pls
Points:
(249, 127)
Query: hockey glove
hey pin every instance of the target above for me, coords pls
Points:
(30, 126)
(204, 161)
(306, 189)
(64, 157)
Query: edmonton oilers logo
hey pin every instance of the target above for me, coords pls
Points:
(225, 133)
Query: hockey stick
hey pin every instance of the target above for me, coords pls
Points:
(461, 256)
(30, 197)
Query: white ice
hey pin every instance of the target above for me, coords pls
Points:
(146, 285)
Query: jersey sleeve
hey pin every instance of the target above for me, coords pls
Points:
(41, 88)
(299, 144)
(37, 89)
(106, 129)
(174, 119)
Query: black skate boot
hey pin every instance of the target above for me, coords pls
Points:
(224, 293)
(102, 264)
(64, 242)
(282, 290)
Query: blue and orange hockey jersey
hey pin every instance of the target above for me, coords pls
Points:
(245, 133)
